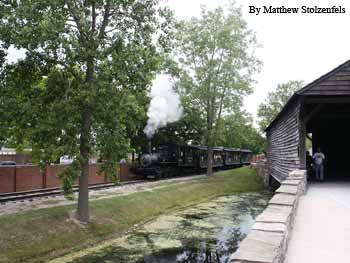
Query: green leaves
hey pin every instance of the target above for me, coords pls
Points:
(275, 101)
(69, 177)
(237, 130)
(81, 89)
(216, 61)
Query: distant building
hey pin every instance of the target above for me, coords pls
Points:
(66, 159)
(10, 154)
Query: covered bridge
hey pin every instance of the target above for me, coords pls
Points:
(321, 111)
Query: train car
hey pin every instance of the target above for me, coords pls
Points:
(218, 160)
(246, 156)
(232, 158)
(189, 157)
(171, 159)
(194, 157)
(218, 157)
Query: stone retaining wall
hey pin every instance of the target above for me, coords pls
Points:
(268, 240)
(261, 170)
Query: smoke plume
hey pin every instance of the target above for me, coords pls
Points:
(165, 106)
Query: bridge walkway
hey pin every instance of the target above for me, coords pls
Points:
(321, 231)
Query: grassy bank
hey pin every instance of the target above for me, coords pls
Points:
(37, 236)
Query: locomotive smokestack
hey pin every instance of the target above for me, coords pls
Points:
(149, 146)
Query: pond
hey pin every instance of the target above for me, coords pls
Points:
(208, 232)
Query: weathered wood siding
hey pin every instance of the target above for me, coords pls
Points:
(337, 83)
(286, 134)
(283, 143)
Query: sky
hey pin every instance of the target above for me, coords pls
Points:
(294, 46)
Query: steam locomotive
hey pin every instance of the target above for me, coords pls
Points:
(171, 159)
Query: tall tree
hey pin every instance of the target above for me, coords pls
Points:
(215, 55)
(85, 54)
(275, 101)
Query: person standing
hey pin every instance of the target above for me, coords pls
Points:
(318, 161)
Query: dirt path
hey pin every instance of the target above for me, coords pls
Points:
(322, 228)
(51, 201)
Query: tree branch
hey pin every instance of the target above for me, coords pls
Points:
(76, 20)
(54, 61)
(93, 20)
(105, 19)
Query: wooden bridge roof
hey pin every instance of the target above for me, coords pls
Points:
(334, 83)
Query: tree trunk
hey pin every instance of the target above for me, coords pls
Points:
(210, 139)
(83, 214)
(210, 161)
(210, 145)
(83, 199)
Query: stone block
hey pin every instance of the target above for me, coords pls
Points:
(287, 189)
(260, 246)
(276, 214)
(269, 227)
(283, 199)
(294, 178)
(291, 182)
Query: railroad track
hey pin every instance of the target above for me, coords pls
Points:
(31, 195)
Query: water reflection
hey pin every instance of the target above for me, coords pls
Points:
(206, 233)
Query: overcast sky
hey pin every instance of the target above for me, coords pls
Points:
(294, 46)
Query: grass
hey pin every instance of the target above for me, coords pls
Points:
(37, 236)
(51, 202)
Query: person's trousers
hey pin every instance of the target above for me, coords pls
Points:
(319, 171)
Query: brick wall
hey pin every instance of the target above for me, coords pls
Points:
(29, 177)
(126, 173)
(52, 172)
(7, 179)
(94, 177)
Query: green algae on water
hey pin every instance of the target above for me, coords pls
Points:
(208, 232)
